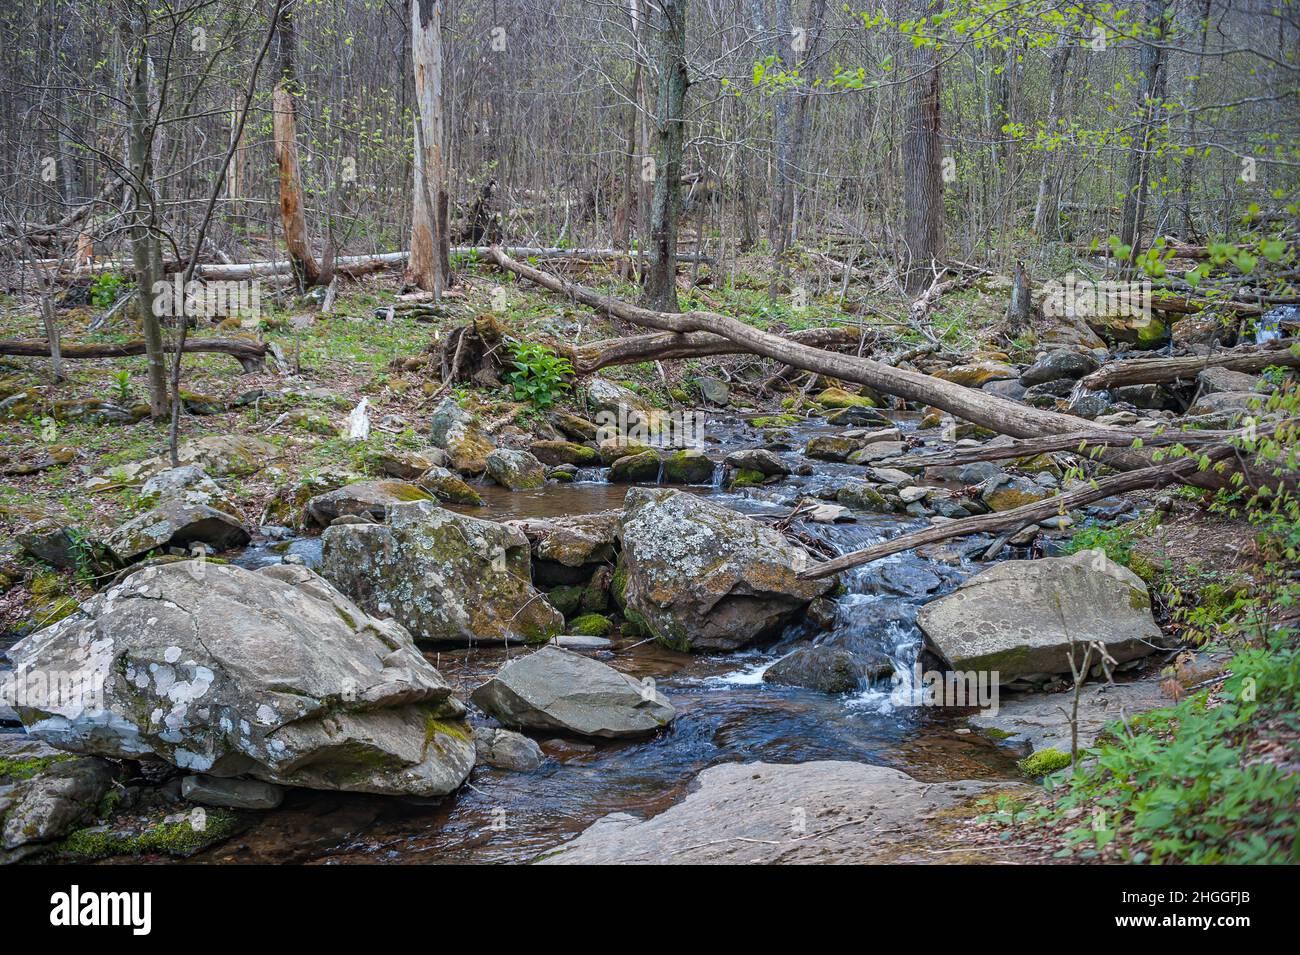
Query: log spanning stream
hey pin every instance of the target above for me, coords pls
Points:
(726, 712)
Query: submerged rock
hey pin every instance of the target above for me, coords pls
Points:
(271, 673)
(557, 690)
(442, 575)
(1018, 617)
(770, 812)
(702, 577)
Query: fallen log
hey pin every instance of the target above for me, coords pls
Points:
(250, 354)
(664, 346)
(1080, 443)
(1147, 371)
(1156, 476)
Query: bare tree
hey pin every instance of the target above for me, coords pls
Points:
(922, 161)
(666, 205)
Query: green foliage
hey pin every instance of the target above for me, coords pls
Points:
(539, 375)
(1043, 762)
(122, 382)
(107, 288)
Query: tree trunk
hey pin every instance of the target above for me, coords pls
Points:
(1149, 92)
(666, 204)
(146, 251)
(428, 224)
(1046, 209)
(293, 217)
(922, 159)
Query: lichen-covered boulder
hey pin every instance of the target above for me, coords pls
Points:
(1002, 492)
(760, 460)
(456, 431)
(574, 540)
(618, 410)
(702, 577)
(271, 673)
(443, 576)
(1019, 616)
(557, 690)
(515, 470)
(176, 523)
(363, 499)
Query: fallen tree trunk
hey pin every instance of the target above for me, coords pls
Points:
(1080, 443)
(250, 354)
(999, 414)
(664, 346)
(1143, 371)
(1160, 475)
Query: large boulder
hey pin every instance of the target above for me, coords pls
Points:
(457, 431)
(442, 575)
(620, 412)
(370, 499)
(702, 577)
(816, 812)
(1220, 379)
(573, 541)
(515, 470)
(556, 690)
(270, 673)
(1019, 617)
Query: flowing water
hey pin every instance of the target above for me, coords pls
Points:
(726, 712)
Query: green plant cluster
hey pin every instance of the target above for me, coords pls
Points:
(539, 375)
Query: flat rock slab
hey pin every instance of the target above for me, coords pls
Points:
(819, 812)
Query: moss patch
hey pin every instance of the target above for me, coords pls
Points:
(1042, 762)
(591, 625)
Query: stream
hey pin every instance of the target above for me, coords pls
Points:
(726, 713)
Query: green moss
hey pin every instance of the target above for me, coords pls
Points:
(993, 732)
(591, 625)
(746, 477)
(346, 617)
(179, 839)
(1043, 761)
(775, 421)
(566, 599)
(458, 730)
(27, 768)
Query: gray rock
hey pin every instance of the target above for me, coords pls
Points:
(174, 523)
(443, 576)
(52, 803)
(271, 673)
(574, 540)
(823, 668)
(515, 470)
(457, 432)
(703, 577)
(713, 391)
(769, 813)
(848, 417)
(1058, 388)
(1018, 617)
(579, 642)
(364, 499)
(1042, 720)
(190, 484)
(556, 690)
(231, 793)
(409, 465)
(503, 749)
(1005, 388)
(756, 459)
(1214, 380)
(51, 543)
(1226, 401)
(1060, 364)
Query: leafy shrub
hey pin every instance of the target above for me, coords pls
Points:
(539, 375)
(107, 288)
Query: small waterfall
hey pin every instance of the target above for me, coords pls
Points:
(591, 476)
(716, 482)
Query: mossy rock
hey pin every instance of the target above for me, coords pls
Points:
(775, 421)
(590, 625)
(1043, 762)
(746, 477)
(554, 453)
(839, 398)
(688, 467)
(635, 468)
(179, 839)
(566, 599)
